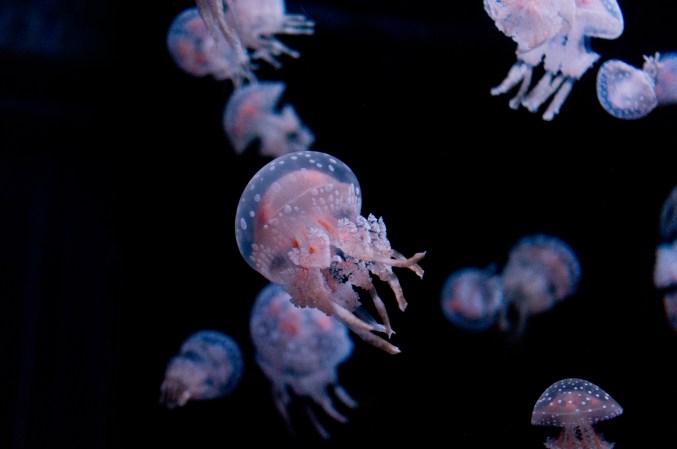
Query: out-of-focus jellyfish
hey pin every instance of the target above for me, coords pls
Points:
(194, 49)
(668, 219)
(258, 22)
(665, 268)
(472, 298)
(665, 271)
(575, 405)
(541, 271)
(627, 92)
(251, 115)
(556, 32)
(299, 350)
(298, 223)
(208, 366)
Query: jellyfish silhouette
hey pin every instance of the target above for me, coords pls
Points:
(209, 366)
(575, 405)
(298, 223)
(299, 350)
(556, 32)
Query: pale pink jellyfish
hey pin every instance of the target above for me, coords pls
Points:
(251, 115)
(627, 92)
(208, 366)
(575, 405)
(541, 271)
(556, 32)
(299, 350)
(195, 50)
(298, 223)
(472, 298)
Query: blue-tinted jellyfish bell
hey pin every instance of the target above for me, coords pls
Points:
(299, 350)
(541, 271)
(668, 218)
(298, 223)
(208, 366)
(195, 50)
(575, 405)
(556, 32)
(251, 115)
(471, 298)
(665, 268)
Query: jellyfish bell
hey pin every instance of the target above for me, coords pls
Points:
(298, 223)
(624, 91)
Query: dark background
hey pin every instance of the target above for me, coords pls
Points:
(119, 189)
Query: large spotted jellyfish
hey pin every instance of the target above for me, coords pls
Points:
(298, 223)
(575, 405)
(299, 350)
(208, 366)
(556, 32)
(627, 92)
(251, 116)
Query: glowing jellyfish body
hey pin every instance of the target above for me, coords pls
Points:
(471, 298)
(300, 350)
(575, 405)
(541, 271)
(251, 115)
(194, 49)
(556, 32)
(298, 223)
(627, 92)
(209, 366)
(665, 268)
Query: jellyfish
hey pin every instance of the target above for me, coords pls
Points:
(575, 405)
(627, 92)
(259, 21)
(556, 32)
(194, 49)
(208, 366)
(298, 224)
(665, 268)
(472, 298)
(299, 350)
(541, 271)
(668, 219)
(251, 115)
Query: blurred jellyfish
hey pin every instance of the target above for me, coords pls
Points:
(472, 298)
(299, 350)
(668, 219)
(575, 405)
(259, 21)
(208, 366)
(195, 51)
(298, 223)
(541, 271)
(627, 92)
(665, 269)
(251, 115)
(556, 32)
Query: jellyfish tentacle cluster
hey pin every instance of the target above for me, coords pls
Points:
(298, 223)
(557, 33)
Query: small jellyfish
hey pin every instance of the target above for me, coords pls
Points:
(472, 298)
(668, 219)
(251, 115)
(300, 350)
(541, 271)
(259, 21)
(556, 32)
(208, 366)
(194, 49)
(298, 223)
(575, 405)
(627, 92)
(665, 270)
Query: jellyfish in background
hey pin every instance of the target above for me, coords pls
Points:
(556, 32)
(300, 350)
(298, 223)
(472, 298)
(208, 366)
(668, 219)
(541, 271)
(251, 114)
(195, 50)
(575, 405)
(627, 92)
(665, 269)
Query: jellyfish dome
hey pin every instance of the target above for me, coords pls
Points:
(298, 223)
(624, 91)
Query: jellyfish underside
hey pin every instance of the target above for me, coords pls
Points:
(581, 436)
